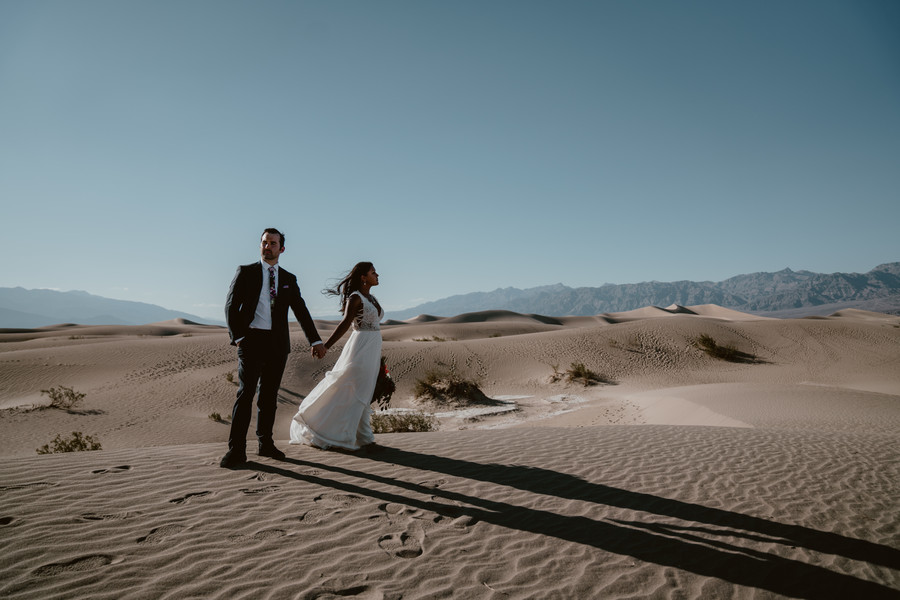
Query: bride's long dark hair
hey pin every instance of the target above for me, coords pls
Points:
(350, 283)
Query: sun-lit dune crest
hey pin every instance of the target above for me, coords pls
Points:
(713, 311)
(172, 323)
(174, 327)
(855, 313)
(647, 312)
(487, 316)
(182, 321)
(423, 319)
(586, 321)
(679, 310)
(720, 312)
(545, 319)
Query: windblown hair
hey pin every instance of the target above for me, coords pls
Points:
(349, 284)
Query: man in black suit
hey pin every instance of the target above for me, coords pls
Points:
(257, 314)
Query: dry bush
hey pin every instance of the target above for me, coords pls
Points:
(449, 388)
(403, 422)
(76, 443)
(708, 345)
(578, 373)
(64, 398)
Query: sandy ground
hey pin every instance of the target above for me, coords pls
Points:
(681, 476)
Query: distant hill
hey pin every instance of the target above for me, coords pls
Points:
(786, 293)
(26, 309)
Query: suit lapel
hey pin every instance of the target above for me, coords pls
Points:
(254, 288)
(257, 280)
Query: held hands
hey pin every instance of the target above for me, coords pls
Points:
(319, 351)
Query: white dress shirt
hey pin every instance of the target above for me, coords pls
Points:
(263, 317)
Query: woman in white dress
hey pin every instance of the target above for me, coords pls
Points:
(336, 413)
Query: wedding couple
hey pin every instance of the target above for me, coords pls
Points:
(336, 413)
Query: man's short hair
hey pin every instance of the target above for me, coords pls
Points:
(274, 231)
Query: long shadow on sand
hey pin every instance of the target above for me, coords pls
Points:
(684, 546)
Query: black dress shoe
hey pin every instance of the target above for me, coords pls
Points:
(232, 459)
(271, 452)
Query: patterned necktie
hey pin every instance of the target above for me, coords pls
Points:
(273, 292)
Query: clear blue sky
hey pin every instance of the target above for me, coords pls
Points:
(460, 145)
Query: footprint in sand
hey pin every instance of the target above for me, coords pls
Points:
(83, 563)
(265, 534)
(6, 520)
(107, 517)
(408, 544)
(340, 500)
(329, 506)
(447, 510)
(463, 522)
(187, 497)
(437, 512)
(433, 483)
(25, 486)
(160, 533)
(401, 514)
(268, 534)
(452, 513)
(311, 517)
(112, 470)
(269, 489)
(330, 591)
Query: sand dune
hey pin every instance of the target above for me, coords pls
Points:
(683, 476)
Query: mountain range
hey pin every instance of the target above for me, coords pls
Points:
(785, 293)
(26, 309)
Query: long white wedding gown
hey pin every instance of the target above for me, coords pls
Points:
(337, 411)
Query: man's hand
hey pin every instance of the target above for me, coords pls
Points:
(319, 351)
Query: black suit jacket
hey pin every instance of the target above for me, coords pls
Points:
(243, 297)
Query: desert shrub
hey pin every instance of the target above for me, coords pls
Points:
(433, 338)
(76, 443)
(557, 374)
(578, 373)
(64, 398)
(443, 387)
(216, 417)
(403, 422)
(230, 377)
(712, 348)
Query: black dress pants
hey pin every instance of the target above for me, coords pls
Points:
(260, 365)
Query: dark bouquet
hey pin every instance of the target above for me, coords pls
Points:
(384, 387)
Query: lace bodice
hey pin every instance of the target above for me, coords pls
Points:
(371, 317)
